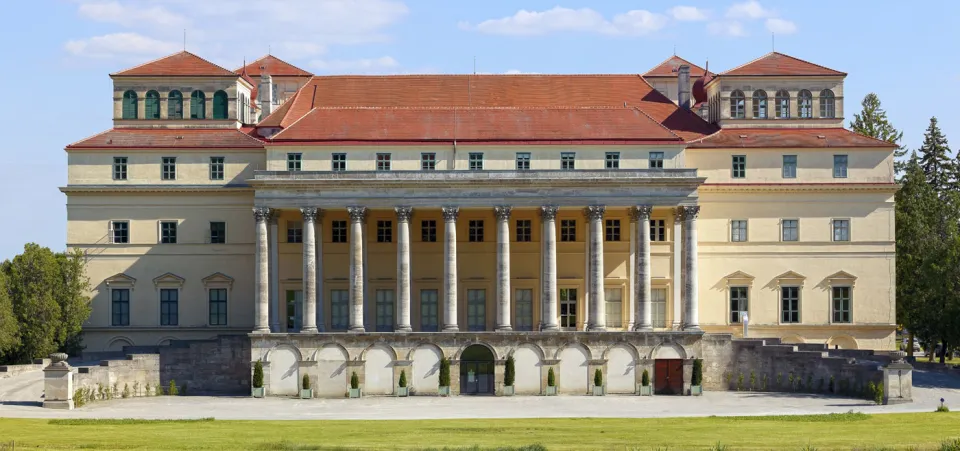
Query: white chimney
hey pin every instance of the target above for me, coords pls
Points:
(683, 86)
(265, 94)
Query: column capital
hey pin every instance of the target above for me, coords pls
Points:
(595, 212)
(404, 213)
(261, 214)
(357, 214)
(690, 212)
(311, 214)
(678, 214)
(640, 212)
(274, 217)
(502, 212)
(450, 213)
(549, 212)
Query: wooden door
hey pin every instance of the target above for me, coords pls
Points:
(668, 376)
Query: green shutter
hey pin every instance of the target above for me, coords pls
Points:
(129, 105)
(152, 105)
(197, 105)
(175, 105)
(220, 107)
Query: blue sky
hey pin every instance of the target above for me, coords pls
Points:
(58, 55)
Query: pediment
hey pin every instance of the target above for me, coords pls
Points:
(218, 278)
(791, 276)
(120, 279)
(841, 277)
(169, 279)
(739, 277)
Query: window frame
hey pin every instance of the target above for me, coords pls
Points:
(151, 105)
(524, 231)
(471, 315)
(112, 231)
(339, 300)
(168, 168)
(658, 229)
(383, 161)
(742, 173)
(833, 304)
(433, 325)
(175, 105)
(380, 323)
(833, 230)
(428, 231)
(613, 310)
(198, 105)
(338, 162)
(782, 104)
(738, 105)
(744, 300)
(170, 238)
(568, 159)
(217, 168)
(225, 307)
(294, 161)
(523, 309)
(384, 231)
(124, 314)
(797, 311)
(611, 160)
(783, 230)
(428, 161)
(523, 161)
(120, 168)
(655, 160)
(129, 105)
(828, 104)
(760, 106)
(475, 231)
(804, 104)
(611, 230)
(475, 161)
(175, 315)
(221, 105)
(339, 231)
(841, 166)
(295, 232)
(568, 230)
(222, 233)
(785, 165)
(739, 234)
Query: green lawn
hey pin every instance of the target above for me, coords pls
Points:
(844, 431)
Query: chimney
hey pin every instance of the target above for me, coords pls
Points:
(266, 94)
(683, 86)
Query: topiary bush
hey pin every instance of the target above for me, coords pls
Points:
(551, 378)
(645, 378)
(126, 391)
(697, 377)
(509, 372)
(598, 378)
(173, 390)
(403, 379)
(258, 375)
(445, 372)
(354, 381)
(306, 382)
(878, 394)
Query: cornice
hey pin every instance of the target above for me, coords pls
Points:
(890, 188)
(137, 189)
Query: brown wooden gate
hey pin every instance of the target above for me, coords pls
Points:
(668, 376)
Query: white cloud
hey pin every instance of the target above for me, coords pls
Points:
(127, 15)
(732, 29)
(519, 72)
(781, 26)
(560, 19)
(120, 45)
(360, 66)
(687, 13)
(751, 9)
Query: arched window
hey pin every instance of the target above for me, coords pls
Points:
(828, 105)
(759, 104)
(737, 105)
(151, 106)
(129, 105)
(220, 105)
(805, 102)
(783, 104)
(198, 105)
(175, 105)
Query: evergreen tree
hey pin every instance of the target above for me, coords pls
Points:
(872, 121)
(939, 169)
(9, 330)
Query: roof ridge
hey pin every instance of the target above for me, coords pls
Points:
(89, 137)
(628, 74)
(293, 124)
(148, 62)
(270, 55)
(772, 53)
(182, 52)
(808, 62)
(705, 71)
(748, 62)
(658, 123)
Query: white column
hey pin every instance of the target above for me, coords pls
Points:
(691, 317)
(450, 215)
(597, 307)
(319, 252)
(309, 270)
(358, 216)
(274, 272)
(675, 322)
(548, 215)
(641, 277)
(503, 267)
(403, 268)
(262, 274)
(631, 322)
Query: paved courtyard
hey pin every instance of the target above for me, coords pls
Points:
(19, 396)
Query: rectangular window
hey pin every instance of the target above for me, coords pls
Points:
(524, 230)
(119, 232)
(568, 308)
(568, 230)
(523, 161)
(218, 232)
(613, 160)
(658, 298)
(614, 305)
(658, 230)
(789, 166)
(476, 310)
(656, 160)
(294, 310)
(168, 232)
(294, 161)
(613, 230)
(841, 230)
(218, 306)
(568, 160)
(429, 313)
(119, 168)
(476, 161)
(738, 304)
(168, 168)
(790, 230)
(339, 309)
(339, 162)
(523, 300)
(383, 162)
(841, 305)
(738, 230)
(428, 231)
(739, 166)
(475, 231)
(385, 318)
(120, 308)
(216, 168)
(338, 231)
(839, 166)
(384, 231)
(294, 232)
(789, 304)
(169, 297)
(428, 161)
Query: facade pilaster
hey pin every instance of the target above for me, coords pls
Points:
(450, 215)
(548, 215)
(309, 270)
(597, 307)
(319, 274)
(358, 218)
(274, 271)
(403, 268)
(503, 267)
(679, 270)
(644, 320)
(690, 283)
(262, 275)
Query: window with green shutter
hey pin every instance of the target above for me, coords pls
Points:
(129, 105)
(198, 105)
(220, 105)
(152, 105)
(175, 105)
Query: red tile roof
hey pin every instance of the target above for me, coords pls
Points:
(669, 66)
(273, 66)
(179, 64)
(775, 63)
(769, 138)
(147, 138)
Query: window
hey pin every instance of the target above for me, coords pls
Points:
(119, 232)
(294, 161)
(175, 105)
(789, 166)
(339, 161)
(151, 105)
(828, 104)
(737, 105)
(568, 160)
(475, 231)
(120, 307)
(524, 230)
(612, 230)
(739, 166)
(385, 318)
(568, 308)
(338, 230)
(523, 302)
(129, 105)
(119, 168)
(782, 105)
(168, 168)
(738, 304)
(383, 162)
(568, 230)
(198, 105)
(294, 310)
(841, 230)
(384, 231)
(759, 104)
(841, 305)
(476, 310)
(428, 161)
(658, 298)
(218, 232)
(216, 168)
(613, 160)
(428, 231)
(218, 306)
(168, 232)
(168, 306)
(839, 166)
(476, 161)
(658, 230)
(614, 306)
(738, 230)
(790, 230)
(789, 304)
(523, 161)
(294, 232)
(805, 103)
(220, 105)
(656, 160)
(429, 316)
(339, 309)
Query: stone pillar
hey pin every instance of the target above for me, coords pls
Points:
(319, 277)
(403, 269)
(644, 321)
(309, 270)
(630, 322)
(58, 383)
(358, 217)
(687, 376)
(597, 307)
(897, 380)
(274, 271)
(262, 274)
(548, 215)
(679, 270)
(450, 215)
(503, 267)
(690, 283)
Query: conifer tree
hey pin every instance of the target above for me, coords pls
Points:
(872, 121)
(938, 167)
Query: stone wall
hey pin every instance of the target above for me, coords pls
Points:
(134, 373)
(220, 366)
(13, 370)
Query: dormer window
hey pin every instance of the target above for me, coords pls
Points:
(175, 105)
(759, 104)
(152, 105)
(220, 109)
(828, 106)
(198, 105)
(805, 102)
(129, 105)
(782, 104)
(737, 105)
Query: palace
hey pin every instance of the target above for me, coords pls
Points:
(674, 200)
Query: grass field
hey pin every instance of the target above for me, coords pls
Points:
(821, 432)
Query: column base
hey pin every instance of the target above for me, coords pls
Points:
(309, 330)
(692, 328)
(503, 329)
(404, 329)
(597, 329)
(261, 330)
(61, 404)
(357, 329)
(642, 328)
(451, 328)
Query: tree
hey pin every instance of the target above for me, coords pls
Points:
(939, 169)
(9, 329)
(872, 121)
(72, 297)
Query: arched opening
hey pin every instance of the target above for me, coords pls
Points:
(828, 106)
(129, 110)
(198, 105)
(668, 370)
(476, 370)
(175, 105)
(151, 106)
(737, 105)
(805, 102)
(759, 104)
(783, 104)
(220, 105)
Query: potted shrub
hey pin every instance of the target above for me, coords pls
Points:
(696, 389)
(305, 391)
(258, 390)
(354, 385)
(402, 390)
(444, 385)
(509, 374)
(645, 388)
(598, 383)
(551, 383)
